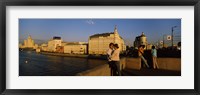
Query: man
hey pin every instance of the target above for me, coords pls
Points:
(140, 53)
(109, 53)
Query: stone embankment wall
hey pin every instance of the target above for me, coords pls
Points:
(172, 64)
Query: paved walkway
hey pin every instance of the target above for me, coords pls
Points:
(149, 72)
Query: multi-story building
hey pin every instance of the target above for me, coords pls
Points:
(54, 43)
(60, 49)
(44, 47)
(75, 48)
(140, 40)
(99, 43)
(28, 43)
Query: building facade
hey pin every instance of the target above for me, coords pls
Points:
(99, 43)
(75, 48)
(44, 47)
(60, 49)
(54, 43)
(140, 40)
(28, 43)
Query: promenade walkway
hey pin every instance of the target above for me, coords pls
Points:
(149, 72)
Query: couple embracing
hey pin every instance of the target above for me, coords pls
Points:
(114, 59)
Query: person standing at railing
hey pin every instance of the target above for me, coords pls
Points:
(109, 53)
(140, 54)
(154, 57)
(116, 60)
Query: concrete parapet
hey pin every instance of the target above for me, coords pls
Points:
(133, 63)
(173, 64)
(122, 63)
(102, 70)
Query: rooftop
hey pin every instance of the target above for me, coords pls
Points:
(75, 43)
(103, 34)
(57, 38)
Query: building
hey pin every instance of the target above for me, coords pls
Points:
(149, 46)
(76, 48)
(38, 50)
(99, 43)
(44, 47)
(60, 49)
(54, 43)
(140, 40)
(20, 45)
(35, 46)
(28, 43)
(63, 43)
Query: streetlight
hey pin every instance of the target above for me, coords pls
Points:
(173, 35)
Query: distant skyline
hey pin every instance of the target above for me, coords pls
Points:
(74, 30)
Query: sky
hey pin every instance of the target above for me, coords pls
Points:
(79, 30)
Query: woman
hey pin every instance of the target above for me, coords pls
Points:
(109, 53)
(154, 56)
(116, 60)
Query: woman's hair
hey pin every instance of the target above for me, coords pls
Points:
(153, 47)
(116, 45)
(111, 44)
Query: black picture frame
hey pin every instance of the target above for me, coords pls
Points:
(4, 3)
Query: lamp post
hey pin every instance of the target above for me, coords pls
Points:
(173, 35)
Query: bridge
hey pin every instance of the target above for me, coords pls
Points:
(133, 67)
(150, 72)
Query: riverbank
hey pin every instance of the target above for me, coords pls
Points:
(102, 57)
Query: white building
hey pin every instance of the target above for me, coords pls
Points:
(28, 43)
(75, 48)
(44, 47)
(53, 43)
(99, 43)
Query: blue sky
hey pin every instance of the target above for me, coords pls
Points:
(69, 30)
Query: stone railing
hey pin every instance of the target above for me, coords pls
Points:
(172, 64)
(102, 70)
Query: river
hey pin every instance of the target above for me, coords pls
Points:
(36, 64)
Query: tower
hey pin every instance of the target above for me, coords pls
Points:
(115, 30)
(115, 34)
(30, 42)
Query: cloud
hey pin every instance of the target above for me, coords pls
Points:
(91, 22)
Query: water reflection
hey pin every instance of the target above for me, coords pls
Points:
(35, 64)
